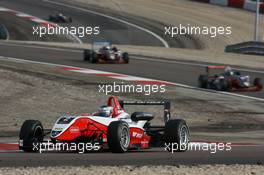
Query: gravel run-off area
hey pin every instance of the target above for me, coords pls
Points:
(146, 170)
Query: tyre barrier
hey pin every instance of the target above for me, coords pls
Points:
(242, 4)
(251, 47)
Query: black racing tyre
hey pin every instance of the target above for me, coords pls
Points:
(203, 81)
(86, 55)
(125, 57)
(50, 18)
(177, 135)
(118, 136)
(94, 57)
(70, 19)
(258, 83)
(224, 85)
(31, 135)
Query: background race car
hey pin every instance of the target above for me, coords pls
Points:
(228, 80)
(112, 128)
(60, 18)
(103, 52)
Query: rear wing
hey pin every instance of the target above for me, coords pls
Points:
(166, 105)
(214, 67)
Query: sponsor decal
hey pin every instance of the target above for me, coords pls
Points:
(137, 135)
(74, 129)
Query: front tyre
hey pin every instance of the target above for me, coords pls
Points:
(51, 18)
(258, 83)
(31, 135)
(118, 136)
(86, 55)
(126, 57)
(203, 81)
(177, 135)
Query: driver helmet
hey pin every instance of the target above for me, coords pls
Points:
(105, 111)
(228, 70)
(107, 47)
(114, 49)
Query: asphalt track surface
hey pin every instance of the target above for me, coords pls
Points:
(114, 31)
(143, 67)
(155, 156)
(110, 30)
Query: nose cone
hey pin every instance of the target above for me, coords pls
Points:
(61, 125)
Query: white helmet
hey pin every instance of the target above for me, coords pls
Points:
(228, 70)
(105, 111)
(107, 47)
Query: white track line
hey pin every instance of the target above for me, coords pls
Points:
(88, 71)
(37, 20)
(41, 47)
(165, 43)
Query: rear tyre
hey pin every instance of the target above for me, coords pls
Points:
(94, 57)
(126, 57)
(177, 135)
(118, 136)
(203, 81)
(258, 83)
(224, 85)
(86, 55)
(31, 135)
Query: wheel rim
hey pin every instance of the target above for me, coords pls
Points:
(124, 139)
(38, 137)
(184, 136)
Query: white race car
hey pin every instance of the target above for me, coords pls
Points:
(103, 53)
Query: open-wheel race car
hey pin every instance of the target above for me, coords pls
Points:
(103, 52)
(59, 17)
(228, 80)
(111, 127)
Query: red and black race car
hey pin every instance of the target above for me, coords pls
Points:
(111, 127)
(228, 80)
(103, 52)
